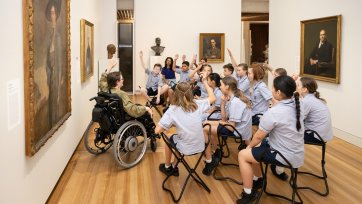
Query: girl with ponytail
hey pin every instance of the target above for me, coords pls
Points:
(235, 111)
(283, 123)
(316, 112)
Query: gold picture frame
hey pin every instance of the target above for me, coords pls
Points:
(320, 48)
(47, 97)
(86, 49)
(212, 46)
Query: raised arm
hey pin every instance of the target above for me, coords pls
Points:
(142, 61)
(192, 73)
(211, 96)
(183, 58)
(233, 61)
(174, 63)
(193, 62)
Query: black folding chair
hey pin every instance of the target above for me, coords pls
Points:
(292, 181)
(222, 140)
(323, 144)
(179, 156)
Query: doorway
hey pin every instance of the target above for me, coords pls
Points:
(259, 42)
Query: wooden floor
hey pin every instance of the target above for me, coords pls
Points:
(98, 179)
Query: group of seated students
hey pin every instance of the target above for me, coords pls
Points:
(282, 114)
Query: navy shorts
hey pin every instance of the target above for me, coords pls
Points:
(222, 130)
(172, 141)
(152, 92)
(263, 153)
(309, 138)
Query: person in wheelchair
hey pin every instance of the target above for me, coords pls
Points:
(112, 82)
(235, 111)
(283, 124)
(185, 113)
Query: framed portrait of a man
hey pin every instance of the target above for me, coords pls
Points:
(212, 46)
(86, 49)
(47, 97)
(320, 48)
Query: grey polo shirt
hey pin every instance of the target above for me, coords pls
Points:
(154, 80)
(280, 122)
(190, 135)
(260, 98)
(317, 117)
(244, 85)
(184, 75)
(238, 112)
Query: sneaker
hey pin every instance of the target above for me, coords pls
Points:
(283, 176)
(247, 198)
(169, 171)
(258, 183)
(208, 168)
(216, 157)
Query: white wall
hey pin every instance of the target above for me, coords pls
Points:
(344, 99)
(255, 6)
(31, 179)
(179, 24)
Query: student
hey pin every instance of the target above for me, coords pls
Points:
(113, 82)
(283, 123)
(241, 75)
(317, 115)
(261, 95)
(185, 113)
(235, 111)
(201, 70)
(228, 70)
(279, 72)
(154, 86)
(213, 80)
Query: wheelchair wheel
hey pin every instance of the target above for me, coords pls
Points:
(95, 140)
(130, 143)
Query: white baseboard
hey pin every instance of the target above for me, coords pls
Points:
(353, 139)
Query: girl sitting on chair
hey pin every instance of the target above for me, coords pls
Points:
(185, 113)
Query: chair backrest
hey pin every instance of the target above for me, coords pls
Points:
(108, 111)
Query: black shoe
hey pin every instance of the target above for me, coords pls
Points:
(208, 168)
(283, 176)
(247, 198)
(168, 171)
(216, 157)
(258, 183)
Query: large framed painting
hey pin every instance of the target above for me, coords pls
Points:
(86, 49)
(47, 96)
(212, 46)
(320, 48)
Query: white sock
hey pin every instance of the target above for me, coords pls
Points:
(247, 190)
(279, 170)
(255, 178)
(208, 160)
(167, 166)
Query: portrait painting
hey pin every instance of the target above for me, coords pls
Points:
(46, 69)
(86, 49)
(212, 46)
(320, 48)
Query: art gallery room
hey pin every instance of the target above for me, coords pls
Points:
(264, 106)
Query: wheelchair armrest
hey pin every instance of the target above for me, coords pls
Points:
(315, 133)
(209, 117)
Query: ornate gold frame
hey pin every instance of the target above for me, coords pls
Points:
(337, 46)
(222, 46)
(83, 24)
(31, 146)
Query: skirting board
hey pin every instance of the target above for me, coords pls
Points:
(353, 139)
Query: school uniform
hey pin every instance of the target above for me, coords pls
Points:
(190, 136)
(244, 85)
(280, 123)
(260, 98)
(153, 82)
(202, 88)
(237, 111)
(184, 75)
(317, 117)
(217, 104)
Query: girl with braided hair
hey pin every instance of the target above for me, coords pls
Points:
(283, 123)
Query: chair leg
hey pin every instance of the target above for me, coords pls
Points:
(324, 177)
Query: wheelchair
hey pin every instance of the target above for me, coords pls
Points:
(110, 125)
